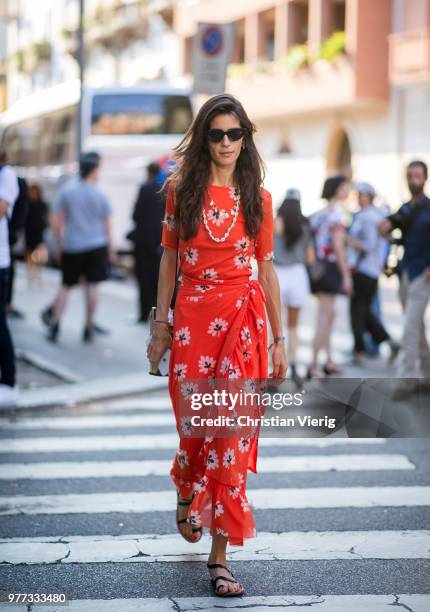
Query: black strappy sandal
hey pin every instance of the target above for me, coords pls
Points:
(217, 587)
(183, 502)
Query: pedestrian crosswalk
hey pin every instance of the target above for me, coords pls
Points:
(59, 470)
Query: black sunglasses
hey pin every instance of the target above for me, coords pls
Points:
(233, 134)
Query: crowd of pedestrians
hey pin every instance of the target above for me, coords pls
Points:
(331, 253)
(349, 259)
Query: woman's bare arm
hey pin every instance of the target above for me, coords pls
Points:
(161, 339)
(166, 283)
(269, 281)
(339, 249)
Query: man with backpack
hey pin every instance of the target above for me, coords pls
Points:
(9, 191)
(413, 220)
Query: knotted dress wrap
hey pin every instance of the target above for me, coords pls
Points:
(219, 331)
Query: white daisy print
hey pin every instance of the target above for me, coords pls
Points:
(246, 354)
(244, 504)
(268, 256)
(233, 492)
(206, 364)
(225, 365)
(186, 426)
(180, 370)
(260, 324)
(221, 532)
(217, 216)
(209, 274)
(217, 326)
(241, 479)
(201, 485)
(241, 261)
(209, 440)
(194, 298)
(243, 445)
(211, 381)
(250, 386)
(234, 372)
(182, 458)
(229, 458)
(188, 389)
(212, 460)
(195, 518)
(240, 302)
(191, 255)
(183, 336)
(242, 244)
(203, 288)
(219, 509)
(245, 334)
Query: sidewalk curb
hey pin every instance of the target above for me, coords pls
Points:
(88, 391)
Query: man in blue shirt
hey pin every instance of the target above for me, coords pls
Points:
(413, 220)
(82, 230)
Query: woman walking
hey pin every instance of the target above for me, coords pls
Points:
(335, 277)
(293, 250)
(217, 216)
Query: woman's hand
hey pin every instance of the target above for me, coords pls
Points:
(279, 361)
(160, 341)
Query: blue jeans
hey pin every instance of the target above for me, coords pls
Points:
(7, 354)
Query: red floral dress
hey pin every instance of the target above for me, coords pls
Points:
(219, 331)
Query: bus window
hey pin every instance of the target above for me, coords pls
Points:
(135, 113)
(58, 138)
(21, 142)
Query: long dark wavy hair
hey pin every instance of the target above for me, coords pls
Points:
(191, 175)
(293, 221)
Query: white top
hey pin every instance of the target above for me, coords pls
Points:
(9, 191)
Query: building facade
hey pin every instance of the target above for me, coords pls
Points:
(126, 42)
(333, 86)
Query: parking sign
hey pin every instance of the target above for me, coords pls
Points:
(212, 48)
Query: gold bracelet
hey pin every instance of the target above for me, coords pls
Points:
(164, 322)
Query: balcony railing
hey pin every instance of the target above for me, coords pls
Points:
(410, 57)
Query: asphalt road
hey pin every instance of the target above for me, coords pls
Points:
(343, 526)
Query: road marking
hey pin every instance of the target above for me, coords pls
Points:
(324, 603)
(158, 501)
(88, 422)
(153, 548)
(283, 464)
(148, 442)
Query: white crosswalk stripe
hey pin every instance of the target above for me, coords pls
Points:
(89, 422)
(268, 499)
(266, 465)
(324, 603)
(299, 545)
(150, 442)
(328, 457)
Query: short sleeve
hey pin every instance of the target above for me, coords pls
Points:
(9, 188)
(169, 237)
(264, 241)
(336, 220)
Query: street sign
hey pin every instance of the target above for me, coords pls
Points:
(212, 48)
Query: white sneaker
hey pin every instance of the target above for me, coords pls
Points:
(8, 396)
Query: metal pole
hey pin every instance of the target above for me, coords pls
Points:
(81, 63)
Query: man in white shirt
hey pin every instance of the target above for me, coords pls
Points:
(8, 194)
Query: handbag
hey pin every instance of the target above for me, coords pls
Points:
(163, 365)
